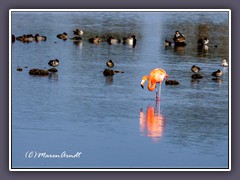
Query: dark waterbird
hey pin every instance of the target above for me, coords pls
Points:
(113, 40)
(167, 43)
(217, 73)
(78, 32)
(53, 63)
(13, 38)
(203, 41)
(130, 40)
(110, 64)
(94, 40)
(62, 36)
(195, 69)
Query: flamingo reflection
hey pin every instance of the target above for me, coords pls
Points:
(152, 123)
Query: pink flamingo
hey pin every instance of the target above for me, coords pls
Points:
(156, 76)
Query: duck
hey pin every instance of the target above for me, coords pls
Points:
(130, 40)
(171, 82)
(20, 38)
(94, 40)
(53, 63)
(13, 38)
(113, 40)
(108, 72)
(28, 38)
(179, 39)
(62, 36)
(195, 69)
(217, 73)
(224, 63)
(167, 43)
(40, 38)
(25, 38)
(78, 32)
(203, 41)
(110, 64)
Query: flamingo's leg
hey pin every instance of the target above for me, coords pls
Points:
(158, 92)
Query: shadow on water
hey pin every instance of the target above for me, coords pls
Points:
(152, 123)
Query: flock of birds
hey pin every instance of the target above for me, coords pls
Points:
(158, 75)
(216, 74)
(155, 77)
(78, 33)
(78, 37)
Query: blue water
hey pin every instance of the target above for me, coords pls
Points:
(112, 121)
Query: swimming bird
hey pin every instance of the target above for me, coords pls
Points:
(167, 43)
(62, 36)
(13, 38)
(110, 64)
(53, 63)
(179, 39)
(224, 63)
(113, 40)
(130, 40)
(217, 73)
(40, 38)
(25, 38)
(171, 82)
(203, 41)
(195, 69)
(78, 32)
(94, 40)
(156, 76)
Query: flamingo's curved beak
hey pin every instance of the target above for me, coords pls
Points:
(166, 76)
(142, 86)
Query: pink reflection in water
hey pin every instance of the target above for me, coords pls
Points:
(152, 123)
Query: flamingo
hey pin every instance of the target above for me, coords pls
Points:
(156, 76)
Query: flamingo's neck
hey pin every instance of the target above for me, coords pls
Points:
(151, 84)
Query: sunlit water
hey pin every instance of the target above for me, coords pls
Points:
(112, 121)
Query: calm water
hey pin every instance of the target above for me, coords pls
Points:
(113, 122)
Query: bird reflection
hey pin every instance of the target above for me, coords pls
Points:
(53, 76)
(109, 80)
(78, 43)
(152, 123)
(179, 49)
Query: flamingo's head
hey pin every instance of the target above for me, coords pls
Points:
(144, 78)
(142, 84)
